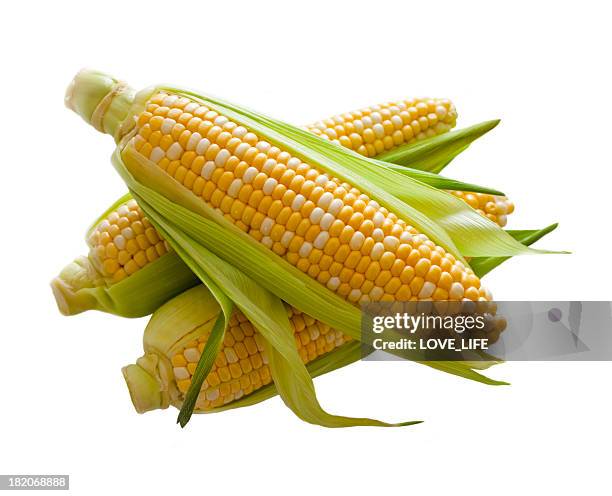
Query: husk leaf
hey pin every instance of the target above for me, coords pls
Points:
(483, 266)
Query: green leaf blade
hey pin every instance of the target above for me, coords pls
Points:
(435, 153)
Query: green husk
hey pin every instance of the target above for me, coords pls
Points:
(483, 266)
(440, 182)
(203, 368)
(79, 287)
(440, 150)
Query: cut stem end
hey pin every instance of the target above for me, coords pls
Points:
(145, 388)
(101, 100)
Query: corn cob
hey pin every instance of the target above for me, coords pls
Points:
(327, 229)
(240, 368)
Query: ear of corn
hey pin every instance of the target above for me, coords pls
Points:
(91, 283)
(177, 333)
(241, 372)
(121, 243)
(204, 222)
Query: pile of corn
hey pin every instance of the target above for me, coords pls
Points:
(253, 243)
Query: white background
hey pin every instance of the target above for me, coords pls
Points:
(544, 68)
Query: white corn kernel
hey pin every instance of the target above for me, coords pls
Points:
(266, 226)
(241, 149)
(269, 185)
(222, 157)
(357, 240)
(193, 141)
(119, 242)
(326, 221)
(321, 239)
(335, 206)
(249, 175)
(239, 132)
(427, 290)
(322, 180)
(377, 251)
(181, 373)
(167, 125)
(293, 163)
(234, 188)
(202, 146)
(208, 169)
(325, 200)
(391, 243)
(333, 283)
(305, 249)
(220, 120)
(263, 146)
(456, 291)
(378, 235)
(157, 154)
(298, 201)
(192, 354)
(378, 219)
(268, 166)
(316, 215)
(286, 238)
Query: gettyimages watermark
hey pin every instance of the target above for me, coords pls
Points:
(484, 331)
